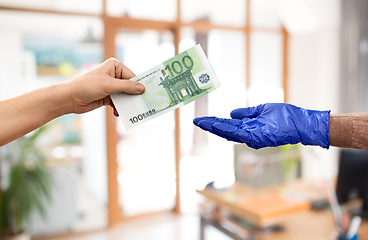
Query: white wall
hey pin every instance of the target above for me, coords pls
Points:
(314, 73)
(95, 155)
(17, 66)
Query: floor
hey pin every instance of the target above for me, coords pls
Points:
(165, 226)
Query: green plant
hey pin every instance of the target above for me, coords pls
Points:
(29, 183)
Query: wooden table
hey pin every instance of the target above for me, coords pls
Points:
(221, 206)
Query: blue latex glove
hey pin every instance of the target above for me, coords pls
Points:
(271, 125)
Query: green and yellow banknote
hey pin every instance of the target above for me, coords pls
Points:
(172, 84)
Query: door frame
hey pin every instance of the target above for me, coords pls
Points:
(111, 27)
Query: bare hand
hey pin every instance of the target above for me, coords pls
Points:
(92, 89)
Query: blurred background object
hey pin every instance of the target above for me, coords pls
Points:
(267, 166)
(352, 182)
(28, 185)
(307, 53)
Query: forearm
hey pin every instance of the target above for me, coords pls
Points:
(25, 113)
(349, 130)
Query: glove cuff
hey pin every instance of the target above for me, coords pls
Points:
(317, 130)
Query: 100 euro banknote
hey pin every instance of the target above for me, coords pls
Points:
(172, 84)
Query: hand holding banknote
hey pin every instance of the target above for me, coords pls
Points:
(92, 89)
(86, 92)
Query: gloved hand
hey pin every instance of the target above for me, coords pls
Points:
(271, 125)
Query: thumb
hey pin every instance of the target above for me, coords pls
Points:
(250, 112)
(124, 85)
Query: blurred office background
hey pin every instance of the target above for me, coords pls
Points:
(305, 52)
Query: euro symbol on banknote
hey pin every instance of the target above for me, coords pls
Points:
(172, 84)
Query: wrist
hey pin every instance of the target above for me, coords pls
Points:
(60, 99)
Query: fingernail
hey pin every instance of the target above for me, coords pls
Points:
(139, 87)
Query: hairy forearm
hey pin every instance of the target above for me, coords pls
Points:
(349, 130)
(25, 113)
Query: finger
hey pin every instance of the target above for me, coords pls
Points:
(250, 112)
(106, 100)
(117, 70)
(116, 113)
(126, 86)
(214, 120)
(114, 108)
(122, 72)
(253, 139)
(253, 146)
(198, 119)
(226, 130)
(208, 126)
(232, 131)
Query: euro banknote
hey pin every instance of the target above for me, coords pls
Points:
(172, 84)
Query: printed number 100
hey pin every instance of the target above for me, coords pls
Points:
(177, 66)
